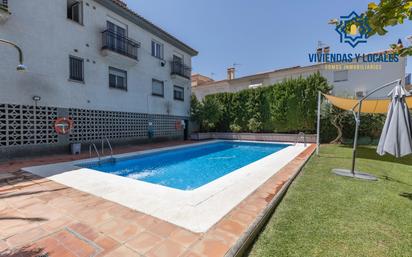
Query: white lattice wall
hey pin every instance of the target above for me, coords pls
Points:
(22, 125)
(27, 125)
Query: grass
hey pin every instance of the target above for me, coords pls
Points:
(326, 215)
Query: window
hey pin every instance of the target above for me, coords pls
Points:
(177, 59)
(75, 11)
(340, 76)
(117, 40)
(157, 50)
(76, 69)
(179, 93)
(158, 88)
(117, 78)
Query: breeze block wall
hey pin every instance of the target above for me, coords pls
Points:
(27, 130)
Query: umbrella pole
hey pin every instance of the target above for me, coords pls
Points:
(355, 140)
(318, 124)
(352, 173)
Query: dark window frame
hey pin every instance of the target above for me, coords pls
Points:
(116, 86)
(72, 76)
(81, 12)
(163, 88)
(183, 93)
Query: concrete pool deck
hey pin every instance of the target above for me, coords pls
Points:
(40, 214)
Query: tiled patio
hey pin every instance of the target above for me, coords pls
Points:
(39, 216)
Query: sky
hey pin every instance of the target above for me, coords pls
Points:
(260, 35)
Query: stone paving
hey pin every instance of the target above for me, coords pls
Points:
(39, 217)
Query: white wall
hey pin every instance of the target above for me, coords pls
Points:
(47, 38)
(368, 80)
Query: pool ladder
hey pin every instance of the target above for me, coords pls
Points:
(92, 146)
(301, 135)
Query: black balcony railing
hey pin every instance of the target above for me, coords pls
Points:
(4, 4)
(120, 44)
(178, 68)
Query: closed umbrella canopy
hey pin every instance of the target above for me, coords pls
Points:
(396, 138)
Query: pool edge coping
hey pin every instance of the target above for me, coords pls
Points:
(173, 221)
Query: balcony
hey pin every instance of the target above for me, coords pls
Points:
(4, 11)
(119, 45)
(178, 68)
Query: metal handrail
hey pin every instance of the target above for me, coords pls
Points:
(95, 149)
(120, 44)
(301, 135)
(181, 69)
(109, 144)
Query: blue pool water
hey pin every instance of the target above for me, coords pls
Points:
(190, 167)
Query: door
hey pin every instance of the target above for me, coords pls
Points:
(117, 39)
(186, 131)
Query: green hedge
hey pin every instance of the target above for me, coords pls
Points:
(286, 107)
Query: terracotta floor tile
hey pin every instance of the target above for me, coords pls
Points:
(120, 230)
(211, 247)
(107, 244)
(53, 248)
(26, 202)
(144, 242)
(10, 227)
(192, 254)
(93, 217)
(119, 211)
(75, 244)
(233, 227)
(3, 245)
(242, 217)
(221, 235)
(41, 210)
(166, 249)
(24, 251)
(184, 237)
(123, 251)
(162, 228)
(84, 230)
(143, 220)
(57, 224)
(26, 237)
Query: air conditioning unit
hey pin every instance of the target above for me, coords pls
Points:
(360, 93)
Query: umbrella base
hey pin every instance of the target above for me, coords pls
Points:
(358, 175)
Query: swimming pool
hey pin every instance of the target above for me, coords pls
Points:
(191, 167)
(237, 169)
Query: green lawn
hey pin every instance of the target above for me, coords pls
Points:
(326, 215)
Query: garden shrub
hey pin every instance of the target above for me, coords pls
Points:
(288, 106)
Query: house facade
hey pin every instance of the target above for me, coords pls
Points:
(346, 82)
(96, 62)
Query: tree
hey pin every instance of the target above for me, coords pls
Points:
(195, 109)
(211, 113)
(389, 13)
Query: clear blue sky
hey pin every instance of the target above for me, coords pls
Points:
(260, 35)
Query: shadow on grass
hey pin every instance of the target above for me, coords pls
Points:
(394, 180)
(369, 153)
(406, 195)
(26, 251)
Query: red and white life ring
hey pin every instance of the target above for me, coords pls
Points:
(63, 125)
